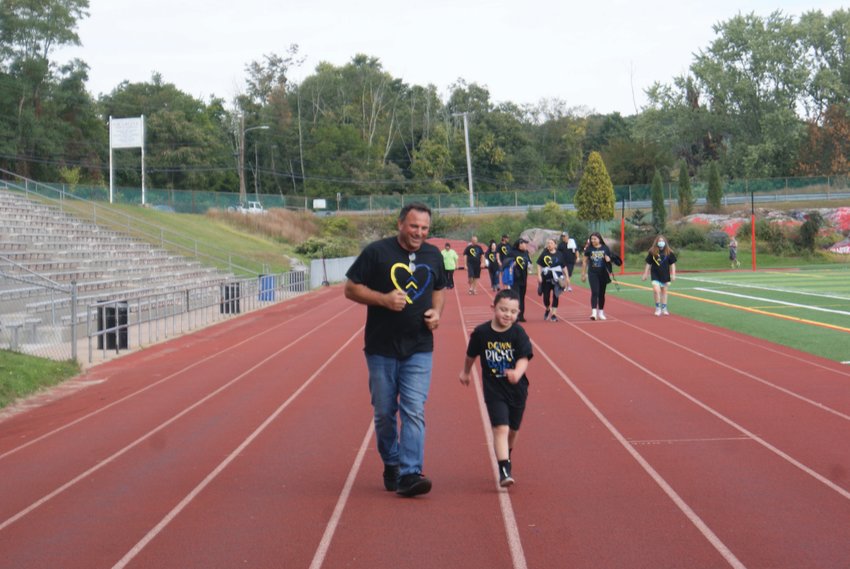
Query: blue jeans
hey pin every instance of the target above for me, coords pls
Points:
(400, 386)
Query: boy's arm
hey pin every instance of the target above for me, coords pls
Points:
(514, 375)
(467, 369)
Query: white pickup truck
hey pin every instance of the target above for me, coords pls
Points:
(250, 208)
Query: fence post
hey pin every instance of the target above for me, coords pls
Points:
(74, 320)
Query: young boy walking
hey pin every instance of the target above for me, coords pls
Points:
(504, 349)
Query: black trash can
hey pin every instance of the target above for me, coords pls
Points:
(230, 296)
(113, 325)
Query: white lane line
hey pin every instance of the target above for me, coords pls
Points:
(774, 301)
(745, 340)
(159, 382)
(681, 441)
(149, 434)
(511, 528)
(822, 479)
(330, 530)
(157, 529)
(831, 296)
(749, 375)
(706, 531)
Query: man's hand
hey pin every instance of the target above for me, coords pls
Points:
(432, 319)
(395, 300)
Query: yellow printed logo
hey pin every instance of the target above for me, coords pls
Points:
(411, 283)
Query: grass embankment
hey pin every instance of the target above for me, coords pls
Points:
(257, 243)
(22, 375)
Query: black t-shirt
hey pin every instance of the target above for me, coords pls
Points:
(659, 267)
(521, 261)
(491, 258)
(568, 256)
(504, 250)
(596, 258)
(383, 266)
(499, 351)
(473, 255)
(550, 265)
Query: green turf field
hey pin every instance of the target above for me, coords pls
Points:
(808, 309)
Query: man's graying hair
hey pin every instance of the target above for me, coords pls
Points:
(418, 206)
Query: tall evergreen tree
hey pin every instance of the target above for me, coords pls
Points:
(686, 195)
(594, 199)
(659, 212)
(715, 188)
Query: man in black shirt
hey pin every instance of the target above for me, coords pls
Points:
(400, 279)
(474, 254)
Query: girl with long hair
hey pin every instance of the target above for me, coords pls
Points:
(594, 270)
(661, 264)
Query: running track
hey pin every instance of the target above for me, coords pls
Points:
(648, 443)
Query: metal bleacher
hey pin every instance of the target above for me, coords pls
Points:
(44, 249)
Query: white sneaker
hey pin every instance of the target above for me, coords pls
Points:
(658, 312)
(593, 314)
(665, 312)
(602, 315)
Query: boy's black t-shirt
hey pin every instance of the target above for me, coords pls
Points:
(383, 266)
(499, 351)
(659, 267)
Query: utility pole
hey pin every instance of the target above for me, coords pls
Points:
(243, 196)
(468, 156)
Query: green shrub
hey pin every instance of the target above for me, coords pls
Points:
(328, 247)
(692, 237)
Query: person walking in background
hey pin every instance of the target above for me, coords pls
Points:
(733, 253)
(597, 257)
(568, 250)
(400, 280)
(505, 350)
(474, 255)
(661, 264)
(550, 277)
(521, 265)
(449, 264)
(504, 251)
(491, 258)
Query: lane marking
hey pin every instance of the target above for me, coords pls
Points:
(677, 441)
(773, 301)
(41, 501)
(161, 381)
(330, 530)
(511, 528)
(744, 309)
(788, 458)
(157, 529)
(694, 518)
(831, 296)
(747, 374)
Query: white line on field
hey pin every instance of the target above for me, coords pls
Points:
(832, 296)
(774, 301)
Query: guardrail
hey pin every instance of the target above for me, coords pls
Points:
(125, 324)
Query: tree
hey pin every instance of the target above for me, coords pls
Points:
(594, 198)
(659, 211)
(715, 188)
(686, 196)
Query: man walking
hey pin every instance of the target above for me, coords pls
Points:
(401, 280)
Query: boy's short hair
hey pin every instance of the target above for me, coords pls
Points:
(507, 293)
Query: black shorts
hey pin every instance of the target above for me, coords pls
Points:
(503, 411)
(473, 270)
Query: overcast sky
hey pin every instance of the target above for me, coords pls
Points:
(600, 55)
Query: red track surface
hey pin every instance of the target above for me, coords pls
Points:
(648, 443)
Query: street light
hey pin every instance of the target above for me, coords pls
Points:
(243, 197)
(468, 157)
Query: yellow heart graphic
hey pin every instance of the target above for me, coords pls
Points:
(398, 286)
